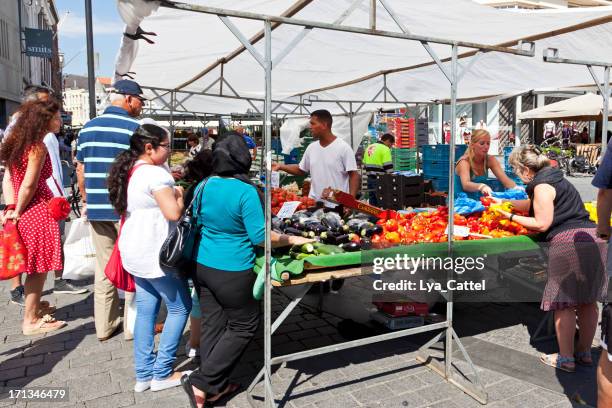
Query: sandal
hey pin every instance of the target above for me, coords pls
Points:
(45, 325)
(562, 363)
(584, 358)
(188, 388)
(45, 308)
(230, 390)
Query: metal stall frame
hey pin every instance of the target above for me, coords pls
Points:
(552, 55)
(267, 63)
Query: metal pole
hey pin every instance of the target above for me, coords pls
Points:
(373, 14)
(605, 112)
(448, 353)
(269, 396)
(172, 96)
(351, 122)
(91, 75)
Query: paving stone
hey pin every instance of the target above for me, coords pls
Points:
(44, 349)
(90, 359)
(406, 384)
(303, 334)
(21, 362)
(115, 401)
(372, 394)
(407, 400)
(316, 342)
(287, 328)
(12, 373)
(340, 401)
(312, 324)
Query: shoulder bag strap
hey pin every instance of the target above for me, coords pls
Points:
(197, 195)
(132, 170)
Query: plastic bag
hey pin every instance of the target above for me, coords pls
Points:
(465, 205)
(79, 251)
(517, 193)
(130, 318)
(13, 253)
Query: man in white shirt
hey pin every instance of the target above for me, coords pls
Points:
(329, 160)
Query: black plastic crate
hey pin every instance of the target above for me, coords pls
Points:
(399, 203)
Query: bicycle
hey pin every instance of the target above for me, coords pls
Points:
(74, 196)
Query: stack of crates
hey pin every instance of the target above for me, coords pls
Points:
(435, 163)
(404, 159)
(397, 192)
(404, 131)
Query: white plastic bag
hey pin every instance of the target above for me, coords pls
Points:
(79, 251)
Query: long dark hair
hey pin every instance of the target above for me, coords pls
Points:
(120, 170)
(30, 127)
(199, 167)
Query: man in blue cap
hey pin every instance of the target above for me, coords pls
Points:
(100, 141)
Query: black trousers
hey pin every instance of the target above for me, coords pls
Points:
(230, 317)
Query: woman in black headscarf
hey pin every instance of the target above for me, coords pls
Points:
(231, 220)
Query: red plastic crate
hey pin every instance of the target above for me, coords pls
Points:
(404, 131)
(403, 308)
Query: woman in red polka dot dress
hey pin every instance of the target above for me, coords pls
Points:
(28, 167)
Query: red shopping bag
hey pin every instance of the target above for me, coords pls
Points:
(115, 272)
(13, 252)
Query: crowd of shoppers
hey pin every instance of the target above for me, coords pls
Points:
(122, 172)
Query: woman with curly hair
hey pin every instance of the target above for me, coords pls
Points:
(27, 195)
(143, 192)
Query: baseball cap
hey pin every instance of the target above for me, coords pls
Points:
(128, 87)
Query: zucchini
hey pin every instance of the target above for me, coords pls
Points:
(324, 249)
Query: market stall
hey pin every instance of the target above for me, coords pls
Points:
(338, 59)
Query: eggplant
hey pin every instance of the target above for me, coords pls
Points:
(297, 226)
(278, 224)
(332, 221)
(340, 239)
(366, 243)
(293, 231)
(350, 246)
(368, 232)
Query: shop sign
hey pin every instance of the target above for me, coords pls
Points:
(39, 43)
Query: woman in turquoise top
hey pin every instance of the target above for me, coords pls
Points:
(231, 219)
(473, 167)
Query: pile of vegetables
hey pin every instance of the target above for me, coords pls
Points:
(591, 207)
(281, 195)
(334, 235)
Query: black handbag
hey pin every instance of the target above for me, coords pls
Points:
(177, 250)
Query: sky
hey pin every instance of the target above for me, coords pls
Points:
(107, 26)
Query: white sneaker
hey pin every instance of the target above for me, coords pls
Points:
(142, 386)
(191, 352)
(159, 385)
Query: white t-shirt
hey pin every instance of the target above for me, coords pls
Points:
(53, 147)
(145, 228)
(328, 166)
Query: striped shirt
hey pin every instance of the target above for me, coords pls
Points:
(100, 141)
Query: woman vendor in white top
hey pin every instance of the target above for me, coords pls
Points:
(142, 191)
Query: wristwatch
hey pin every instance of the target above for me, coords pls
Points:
(602, 236)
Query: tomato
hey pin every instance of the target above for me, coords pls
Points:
(391, 225)
(486, 201)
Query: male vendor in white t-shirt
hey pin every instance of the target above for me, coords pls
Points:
(330, 160)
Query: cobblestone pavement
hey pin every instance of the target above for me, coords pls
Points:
(379, 375)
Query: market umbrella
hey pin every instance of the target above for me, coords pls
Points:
(584, 107)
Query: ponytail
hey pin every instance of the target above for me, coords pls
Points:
(124, 162)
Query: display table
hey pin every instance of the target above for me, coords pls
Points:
(317, 269)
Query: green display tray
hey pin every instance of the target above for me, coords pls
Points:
(460, 248)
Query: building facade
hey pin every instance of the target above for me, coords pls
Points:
(16, 69)
(76, 97)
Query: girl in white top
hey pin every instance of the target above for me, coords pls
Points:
(143, 192)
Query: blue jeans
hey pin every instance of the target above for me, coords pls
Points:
(149, 294)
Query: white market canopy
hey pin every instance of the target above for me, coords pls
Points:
(583, 107)
(336, 65)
